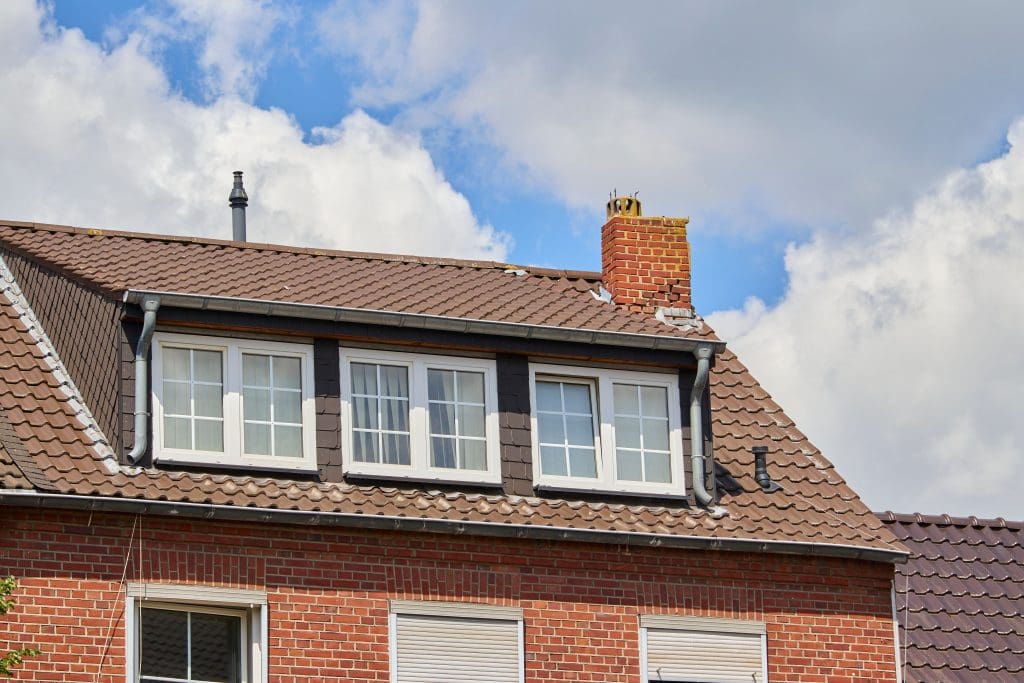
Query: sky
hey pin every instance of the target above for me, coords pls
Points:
(853, 173)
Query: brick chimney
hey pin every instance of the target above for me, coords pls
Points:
(645, 260)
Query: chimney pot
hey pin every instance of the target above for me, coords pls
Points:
(238, 200)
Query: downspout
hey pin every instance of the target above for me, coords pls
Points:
(150, 305)
(700, 492)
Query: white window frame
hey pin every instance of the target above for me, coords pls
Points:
(232, 350)
(454, 610)
(703, 625)
(419, 419)
(607, 479)
(249, 605)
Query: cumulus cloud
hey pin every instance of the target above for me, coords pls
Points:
(898, 348)
(814, 114)
(98, 137)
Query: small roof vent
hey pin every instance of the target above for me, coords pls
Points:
(623, 205)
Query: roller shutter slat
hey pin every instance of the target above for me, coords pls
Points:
(456, 650)
(676, 655)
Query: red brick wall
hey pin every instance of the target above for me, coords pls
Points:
(328, 592)
(645, 262)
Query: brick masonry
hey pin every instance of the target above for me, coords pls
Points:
(645, 261)
(328, 592)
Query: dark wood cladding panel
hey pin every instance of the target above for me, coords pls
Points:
(514, 423)
(84, 327)
(327, 381)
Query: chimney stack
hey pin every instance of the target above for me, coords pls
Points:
(645, 260)
(238, 200)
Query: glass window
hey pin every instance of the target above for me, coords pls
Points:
(566, 428)
(186, 646)
(272, 405)
(193, 390)
(642, 433)
(380, 413)
(457, 419)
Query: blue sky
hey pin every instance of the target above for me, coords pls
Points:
(854, 173)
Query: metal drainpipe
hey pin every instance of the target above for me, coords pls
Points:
(700, 492)
(150, 305)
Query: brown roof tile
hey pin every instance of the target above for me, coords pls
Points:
(960, 597)
(814, 507)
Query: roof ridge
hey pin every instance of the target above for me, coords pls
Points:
(480, 264)
(948, 520)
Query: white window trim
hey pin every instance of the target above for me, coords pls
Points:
(250, 605)
(419, 418)
(232, 350)
(703, 624)
(454, 610)
(607, 480)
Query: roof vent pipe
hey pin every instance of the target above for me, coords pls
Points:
(761, 470)
(150, 305)
(700, 491)
(238, 200)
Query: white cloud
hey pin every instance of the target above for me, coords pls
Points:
(898, 348)
(92, 137)
(814, 113)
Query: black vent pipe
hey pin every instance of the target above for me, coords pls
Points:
(761, 470)
(238, 200)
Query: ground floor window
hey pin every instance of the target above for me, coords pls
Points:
(440, 642)
(190, 634)
(703, 650)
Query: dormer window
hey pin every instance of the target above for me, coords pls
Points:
(230, 402)
(420, 416)
(606, 430)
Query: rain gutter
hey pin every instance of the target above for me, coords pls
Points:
(233, 513)
(421, 321)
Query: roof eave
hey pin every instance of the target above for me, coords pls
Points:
(232, 513)
(422, 321)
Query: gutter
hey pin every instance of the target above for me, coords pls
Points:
(233, 513)
(420, 321)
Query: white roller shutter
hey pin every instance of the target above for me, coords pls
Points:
(704, 655)
(443, 649)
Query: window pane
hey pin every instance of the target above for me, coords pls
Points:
(394, 381)
(629, 466)
(394, 415)
(364, 413)
(471, 387)
(654, 401)
(256, 404)
(658, 468)
(441, 385)
(442, 418)
(474, 454)
(364, 378)
(364, 447)
(287, 442)
(207, 366)
(471, 420)
(176, 398)
(627, 401)
(656, 435)
(210, 435)
(577, 398)
(442, 452)
(257, 439)
(255, 370)
(176, 364)
(552, 461)
(396, 449)
(627, 432)
(287, 406)
(579, 430)
(550, 428)
(287, 372)
(209, 400)
(582, 462)
(549, 396)
(163, 643)
(177, 432)
(216, 652)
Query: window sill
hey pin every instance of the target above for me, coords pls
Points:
(669, 494)
(255, 466)
(370, 476)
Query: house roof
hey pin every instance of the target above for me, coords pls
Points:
(960, 597)
(60, 450)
